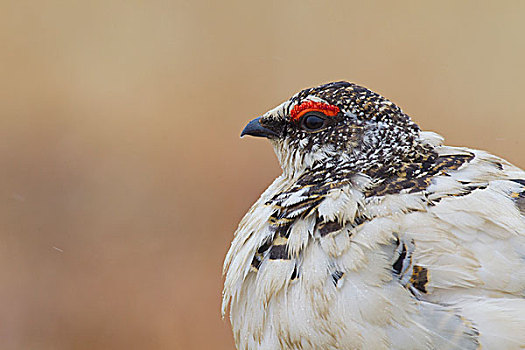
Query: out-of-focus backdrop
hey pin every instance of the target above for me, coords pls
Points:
(122, 174)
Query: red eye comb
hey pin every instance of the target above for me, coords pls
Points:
(308, 106)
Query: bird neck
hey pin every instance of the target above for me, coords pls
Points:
(328, 165)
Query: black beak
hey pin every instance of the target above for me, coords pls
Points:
(254, 128)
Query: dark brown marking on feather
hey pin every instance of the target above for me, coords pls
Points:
(276, 219)
(359, 220)
(279, 252)
(498, 165)
(259, 255)
(417, 177)
(256, 262)
(419, 278)
(520, 202)
(266, 245)
(465, 191)
(282, 229)
(307, 199)
(398, 264)
(329, 227)
(295, 274)
(303, 206)
(275, 249)
(519, 197)
(336, 276)
(285, 216)
(520, 181)
(469, 189)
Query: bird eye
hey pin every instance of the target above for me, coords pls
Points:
(312, 121)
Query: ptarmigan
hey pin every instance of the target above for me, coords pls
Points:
(376, 236)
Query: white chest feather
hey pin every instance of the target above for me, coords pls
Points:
(401, 271)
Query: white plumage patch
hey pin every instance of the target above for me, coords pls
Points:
(340, 205)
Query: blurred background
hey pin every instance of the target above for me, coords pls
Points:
(122, 174)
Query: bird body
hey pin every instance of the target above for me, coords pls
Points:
(376, 235)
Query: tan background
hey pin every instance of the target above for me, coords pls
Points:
(122, 176)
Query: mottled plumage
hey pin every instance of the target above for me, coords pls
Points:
(376, 236)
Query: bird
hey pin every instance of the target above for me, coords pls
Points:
(376, 235)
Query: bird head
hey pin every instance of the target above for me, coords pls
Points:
(340, 125)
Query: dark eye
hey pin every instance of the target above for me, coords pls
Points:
(312, 121)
